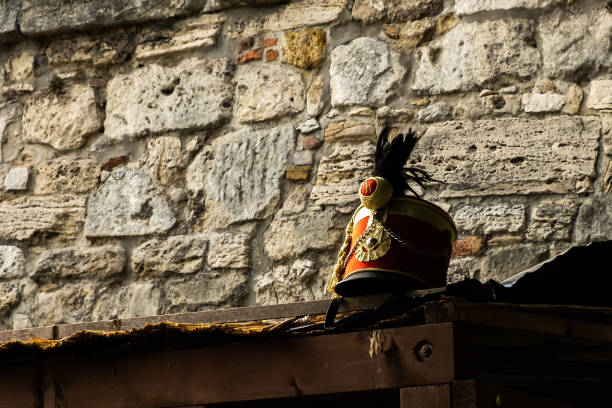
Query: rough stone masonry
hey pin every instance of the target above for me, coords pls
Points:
(180, 155)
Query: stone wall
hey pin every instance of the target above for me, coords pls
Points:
(180, 155)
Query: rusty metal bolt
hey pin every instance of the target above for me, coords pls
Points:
(423, 350)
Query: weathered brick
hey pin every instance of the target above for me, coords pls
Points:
(271, 55)
(269, 42)
(250, 56)
(114, 162)
(469, 246)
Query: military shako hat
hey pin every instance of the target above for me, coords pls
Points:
(394, 241)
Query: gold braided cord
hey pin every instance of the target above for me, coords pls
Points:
(380, 197)
(344, 251)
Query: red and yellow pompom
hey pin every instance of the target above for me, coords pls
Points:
(375, 193)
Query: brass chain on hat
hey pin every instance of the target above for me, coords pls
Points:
(394, 235)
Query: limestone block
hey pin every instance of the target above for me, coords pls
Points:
(63, 121)
(315, 97)
(464, 267)
(389, 115)
(296, 200)
(71, 303)
(12, 262)
(24, 217)
(305, 48)
(476, 54)
(10, 296)
(607, 184)
(267, 92)
(303, 158)
(134, 300)
(104, 262)
(490, 219)
(466, 7)
(600, 96)
(241, 172)
(20, 67)
(294, 15)
(127, 204)
(487, 106)
(206, 290)
(350, 131)
(187, 35)
(195, 94)
(435, 112)
(53, 16)
(10, 131)
(576, 43)
(287, 284)
(552, 220)
(172, 255)
(511, 156)
(606, 132)
(549, 102)
(309, 126)
(218, 5)
(406, 37)
(67, 176)
(370, 11)
(228, 249)
(17, 179)
(594, 221)
(502, 263)
(364, 72)
(164, 159)
(292, 235)
(340, 173)
(95, 49)
(573, 98)
(9, 29)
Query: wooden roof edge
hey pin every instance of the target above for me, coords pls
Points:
(444, 309)
(233, 315)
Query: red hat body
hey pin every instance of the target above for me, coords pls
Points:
(409, 247)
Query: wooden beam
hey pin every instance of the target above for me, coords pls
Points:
(426, 396)
(251, 370)
(536, 318)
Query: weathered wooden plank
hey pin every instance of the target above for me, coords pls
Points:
(243, 314)
(426, 396)
(65, 330)
(27, 334)
(258, 370)
(521, 317)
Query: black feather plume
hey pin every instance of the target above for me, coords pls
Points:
(391, 157)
